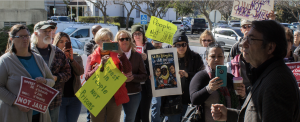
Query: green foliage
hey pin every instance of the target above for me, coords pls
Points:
(118, 21)
(183, 7)
(284, 16)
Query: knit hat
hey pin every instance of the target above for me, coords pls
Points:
(180, 36)
(135, 28)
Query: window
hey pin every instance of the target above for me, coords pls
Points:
(96, 11)
(83, 33)
(9, 24)
(69, 30)
(176, 22)
(74, 44)
(137, 12)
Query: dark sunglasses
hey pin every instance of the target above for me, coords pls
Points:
(246, 26)
(122, 39)
(206, 40)
(181, 45)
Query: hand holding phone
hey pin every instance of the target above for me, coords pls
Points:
(68, 45)
(221, 72)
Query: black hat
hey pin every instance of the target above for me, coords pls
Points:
(135, 28)
(180, 36)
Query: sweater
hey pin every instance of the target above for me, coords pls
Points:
(11, 70)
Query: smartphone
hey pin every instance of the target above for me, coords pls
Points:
(110, 46)
(68, 45)
(221, 72)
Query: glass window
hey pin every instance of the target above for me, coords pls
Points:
(74, 44)
(69, 30)
(63, 19)
(199, 21)
(176, 22)
(238, 31)
(83, 33)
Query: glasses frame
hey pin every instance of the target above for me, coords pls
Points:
(122, 39)
(22, 37)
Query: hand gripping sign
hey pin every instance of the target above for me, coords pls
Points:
(35, 95)
(101, 87)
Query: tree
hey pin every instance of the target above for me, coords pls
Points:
(101, 5)
(132, 7)
(226, 10)
(183, 8)
(293, 7)
(155, 8)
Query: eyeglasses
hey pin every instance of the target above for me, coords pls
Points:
(250, 40)
(246, 26)
(181, 45)
(137, 34)
(22, 37)
(122, 39)
(206, 40)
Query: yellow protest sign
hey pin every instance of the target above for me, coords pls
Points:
(161, 30)
(100, 87)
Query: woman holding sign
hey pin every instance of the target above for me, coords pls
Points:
(111, 112)
(70, 106)
(205, 88)
(20, 61)
(140, 40)
(139, 74)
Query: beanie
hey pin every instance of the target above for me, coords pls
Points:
(180, 36)
(135, 28)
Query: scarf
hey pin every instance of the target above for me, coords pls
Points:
(226, 97)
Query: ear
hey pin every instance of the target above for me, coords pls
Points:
(36, 33)
(10, 39)
(271, 47)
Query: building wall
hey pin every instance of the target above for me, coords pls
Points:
(27, 11)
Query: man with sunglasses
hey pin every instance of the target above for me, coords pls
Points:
(274, 94)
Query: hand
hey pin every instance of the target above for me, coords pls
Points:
(144, 56)
(103, 61)
(68, 53)
(21, 108)
(119, 51)
(183, 74)
(214, 84)
(129, 77)
(55, 77)
(246, 34)
(271, 16)
(219, 112)
(241, 90)
(40, 80)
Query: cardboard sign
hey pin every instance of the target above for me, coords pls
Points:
(252, 9)
(100, 87)
(164, 69)
(139, 49)
(295, 67)
(35, 95)
(161, 30)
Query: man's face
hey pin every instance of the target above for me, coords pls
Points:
(45, 35)
(245, 28)
(172, 69)
(157, 72)
(157, 45)
(253, 50)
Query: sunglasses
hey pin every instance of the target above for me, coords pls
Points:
(246, 26)
(206, 40)
(181, 45)
(122, 39)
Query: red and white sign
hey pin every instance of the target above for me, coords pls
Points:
(295, 67)
(35, 95)
(139, 49)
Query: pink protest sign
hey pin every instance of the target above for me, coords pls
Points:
(35, 95)
(139, 49)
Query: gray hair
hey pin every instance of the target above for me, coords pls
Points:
(297, 31)
(211, 46)
(34, 38)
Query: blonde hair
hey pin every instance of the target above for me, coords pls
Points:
(58, 36)
(132, 45)
(207, 33)
(103, 32)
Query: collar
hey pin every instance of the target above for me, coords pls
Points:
(128, 54)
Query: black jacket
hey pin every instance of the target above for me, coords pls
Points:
(149, 46)
(89, 47)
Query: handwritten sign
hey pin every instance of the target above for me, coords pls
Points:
(161, 30)
(35, 95)
(139, 49)
(252, 9)
(100, 87)
(295, 67)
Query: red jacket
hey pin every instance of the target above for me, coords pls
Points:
(125, 67)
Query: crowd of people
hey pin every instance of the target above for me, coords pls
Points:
(269, 91)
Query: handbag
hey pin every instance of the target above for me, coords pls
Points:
(171, 105)
(192, 114)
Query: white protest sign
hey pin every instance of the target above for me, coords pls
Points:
(252, 9)
(84, 59)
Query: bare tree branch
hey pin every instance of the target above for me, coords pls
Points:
(101, 5)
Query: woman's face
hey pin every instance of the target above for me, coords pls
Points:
(124, 42)
(61, 43)
(138, 36)
(157, 72)
(206, 40)
(215, 57)
(296, 38)
(181, 47)
(101, 41)
(21, 40)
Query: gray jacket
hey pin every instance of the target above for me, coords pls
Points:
(274, 97)
(11, 70)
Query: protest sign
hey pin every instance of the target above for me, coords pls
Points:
(295, 67)
(36, 96)
(100, 87)
(139, 49)
(165, 79)
(252, 9)
(200, 50)
(161, 30)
